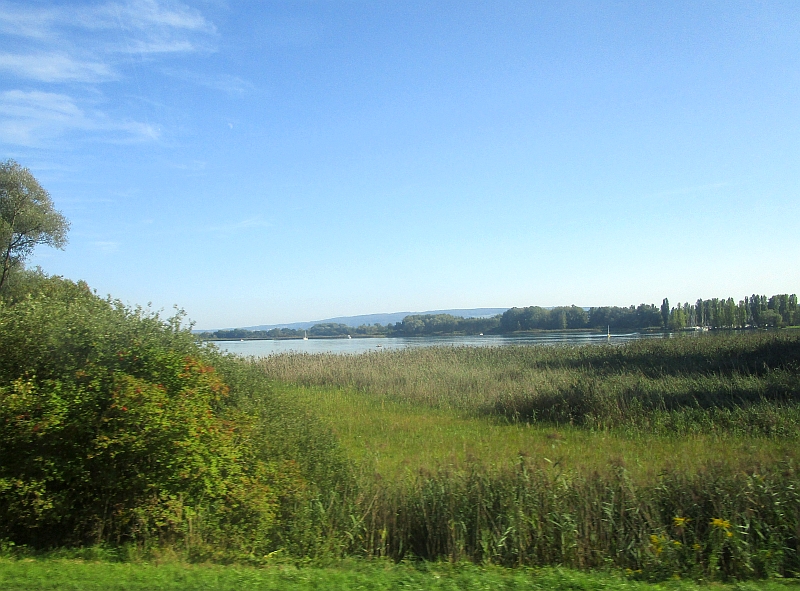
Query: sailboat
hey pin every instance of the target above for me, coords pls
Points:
(305, 335)
(609, 331)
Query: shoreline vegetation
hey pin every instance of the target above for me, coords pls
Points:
(756, 311)
(656, 459)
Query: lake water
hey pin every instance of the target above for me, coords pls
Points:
(353, 346)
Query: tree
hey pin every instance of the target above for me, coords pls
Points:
(27, 217)
(665, 312)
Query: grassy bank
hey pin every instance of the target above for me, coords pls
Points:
(65, 575)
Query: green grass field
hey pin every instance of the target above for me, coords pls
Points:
(394, 439)
(80, 575)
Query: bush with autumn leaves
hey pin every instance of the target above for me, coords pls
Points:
(116, 426)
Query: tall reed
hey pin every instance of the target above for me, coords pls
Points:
(711, 525)
(738, 379)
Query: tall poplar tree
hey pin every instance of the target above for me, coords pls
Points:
(665, 312)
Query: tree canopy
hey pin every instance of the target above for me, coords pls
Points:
(27, 217)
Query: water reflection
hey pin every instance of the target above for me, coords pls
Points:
(354, 346)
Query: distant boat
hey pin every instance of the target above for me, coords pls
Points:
(379, 346)
(609, 331)
(349, 337)
(305, 335)
(480, 334)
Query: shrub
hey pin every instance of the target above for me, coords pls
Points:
(115, 427)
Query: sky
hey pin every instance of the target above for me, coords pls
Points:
(269, 162)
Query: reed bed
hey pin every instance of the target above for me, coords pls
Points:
(711, 525)
(746, 382)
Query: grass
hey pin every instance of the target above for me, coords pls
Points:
(67, 575)
(397, 439)
(745, 383)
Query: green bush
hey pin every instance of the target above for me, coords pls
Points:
(115, 427)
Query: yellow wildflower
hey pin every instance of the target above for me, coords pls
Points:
(655, 544)
(680, 521)
(720, 523)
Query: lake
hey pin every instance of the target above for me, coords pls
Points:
(262, 348)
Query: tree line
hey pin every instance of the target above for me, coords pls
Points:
(323, 329)
(410, 326)
(751, 311)
(756, 311)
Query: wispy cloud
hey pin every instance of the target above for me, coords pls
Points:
(144, 15)
(150, 25)
(55, 67)
(88, 43)
(23, 20)
(35, 118)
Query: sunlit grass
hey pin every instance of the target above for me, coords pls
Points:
(50, 574)
(393, 439)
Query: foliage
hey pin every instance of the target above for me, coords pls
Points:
(631, 318)
(329, 329)
(536, 318)
(729, 512)
(756, 311)
(378, 575)
(115, 426)
(441, 324)
(392, 438)
(27, 217)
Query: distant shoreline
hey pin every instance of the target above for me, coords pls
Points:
(497, 334)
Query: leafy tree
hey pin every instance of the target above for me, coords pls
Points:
(27, 217)
(665, 312)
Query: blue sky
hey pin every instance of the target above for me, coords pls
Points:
(265, 162)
